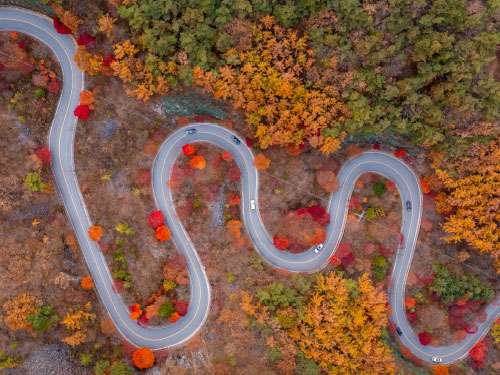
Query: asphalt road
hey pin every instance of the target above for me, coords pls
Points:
(60, 142)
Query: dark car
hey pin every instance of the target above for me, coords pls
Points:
(235, 140)
(408, 206)
(190, 131)
(398, 330)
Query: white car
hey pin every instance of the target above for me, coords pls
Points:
(436, 359)
(318, 248)
(252, 204)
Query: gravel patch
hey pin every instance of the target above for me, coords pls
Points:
(49, 360)
(217, 207)
(109, 129)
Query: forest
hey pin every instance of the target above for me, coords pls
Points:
(304, 77)
(310, 73)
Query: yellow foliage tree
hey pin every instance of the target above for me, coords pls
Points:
(475, 194)
(75, 320)
(106, 24)
(86, 62)
(271, 88)
(75, 339)
(339, 328)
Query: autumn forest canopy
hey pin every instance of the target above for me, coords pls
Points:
(310, 73)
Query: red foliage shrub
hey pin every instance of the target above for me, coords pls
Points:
(348, 260)
(118, 286)
(82, 112)
(181, 307)
(343, 250)
(390, 186)
(227, 156)
(319, 215)
(281, 243)
(143, 321)
(478, 351)
(369, 248)
(156, 219)
(188, 149)
(85, 40)
(476, 365)
(376, 146)
(53, 86)
(177, 263)
(108, 59)
(60, 27)
(22, 45)
(385, 251)
(400, 152)
(475, 305)
(353, 203)
(234, 173)
(424, 338)
(411, 316)
(456, 322)
(249, 142)
(335, 261)
(161, 355)
(44, 155)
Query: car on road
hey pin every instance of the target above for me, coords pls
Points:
(235, 140)
(318, 248)
(436, 359)
(398, 330)
(252, 204)
(190, 131)
(408, 206)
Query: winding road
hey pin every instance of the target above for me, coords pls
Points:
(60, 140)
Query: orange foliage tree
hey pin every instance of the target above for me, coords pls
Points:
(87, 283)
(135, 312)
(198, 162)
(440, 370)
(270, 85)
(261, 162)
(410, 303)
(143, 358)
(227, 156)
(87, 98)
(95, 233)
(162, 233)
